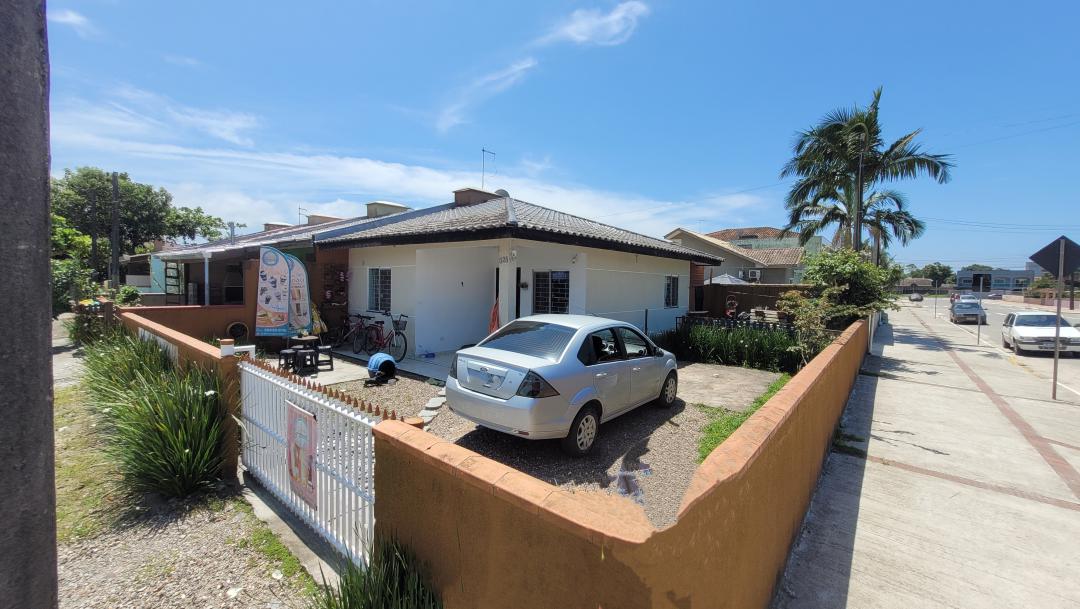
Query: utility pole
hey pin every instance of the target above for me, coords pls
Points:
(114, 236)
(93, 236)
(27, 469)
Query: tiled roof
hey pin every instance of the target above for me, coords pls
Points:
(760, 232)
(505, 216)
(784, 256)
(276, 236)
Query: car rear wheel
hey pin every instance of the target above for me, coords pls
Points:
(583, 432)
(669, 390)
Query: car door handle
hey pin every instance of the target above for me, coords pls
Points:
(601, 375)
(636, 369)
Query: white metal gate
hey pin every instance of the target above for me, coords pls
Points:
(344, 473)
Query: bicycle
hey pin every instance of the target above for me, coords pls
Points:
(355, 330)
(394, 343)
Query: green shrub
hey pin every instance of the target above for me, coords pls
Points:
(163, 424)
(128, 296)
(393, 579)
(85, 328)
(70, 281)
(747, 347)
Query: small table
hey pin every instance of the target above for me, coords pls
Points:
(304, 342)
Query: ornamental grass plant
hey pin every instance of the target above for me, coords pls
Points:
(395, 579)
(163, 424)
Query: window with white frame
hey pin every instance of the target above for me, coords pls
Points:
(551, 292)
(378, 296)
(671, 291)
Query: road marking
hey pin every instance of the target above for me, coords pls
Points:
(1063, 468)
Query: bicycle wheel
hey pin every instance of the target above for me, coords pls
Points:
(398, 346)
(371, 340)
(338, 337)
(358, 336)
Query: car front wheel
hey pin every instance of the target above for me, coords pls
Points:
(669, 390)
(583, 432)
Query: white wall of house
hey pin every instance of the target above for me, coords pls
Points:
(624, 286)
(455, 291)
(401, 260)
(448, 289)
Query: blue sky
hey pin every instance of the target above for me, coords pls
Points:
(643, 114)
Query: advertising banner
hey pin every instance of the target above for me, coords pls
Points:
(299, 300)
(301, 437)
(272, 306)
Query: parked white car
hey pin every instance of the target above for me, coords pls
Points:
(559, 376)
(1034, 331)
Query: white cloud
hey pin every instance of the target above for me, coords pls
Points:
(228, 126)
(182, 60)
(76, 21)
(480, 89)
(595, 27)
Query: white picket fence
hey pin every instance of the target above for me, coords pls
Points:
(344, 513)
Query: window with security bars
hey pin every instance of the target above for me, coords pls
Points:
(671, 291)
(378, 289)
(551, 292)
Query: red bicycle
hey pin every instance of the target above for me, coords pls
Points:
(394, 343)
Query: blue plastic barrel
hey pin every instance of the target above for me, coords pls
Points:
(381, 362)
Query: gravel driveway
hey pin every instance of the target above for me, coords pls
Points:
(648, 454)
(406, 395)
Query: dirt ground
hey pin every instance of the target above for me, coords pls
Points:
(407, 395)
(648, 454)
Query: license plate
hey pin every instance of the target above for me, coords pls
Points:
(1046, 347)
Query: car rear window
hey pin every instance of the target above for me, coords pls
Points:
(1039, 321)
(534, 338)
(966, 305)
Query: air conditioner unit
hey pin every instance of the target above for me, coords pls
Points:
(755, 275)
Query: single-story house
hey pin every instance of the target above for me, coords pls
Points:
(997, 279)
(453, 268)
(767, 265)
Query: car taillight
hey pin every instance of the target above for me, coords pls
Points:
(534, 386)
(453, 367)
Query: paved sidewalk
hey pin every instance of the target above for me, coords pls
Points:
(949, 485)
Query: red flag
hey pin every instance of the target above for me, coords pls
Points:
(494, 323)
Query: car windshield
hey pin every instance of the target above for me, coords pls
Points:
(534, 338)
(1040, 321)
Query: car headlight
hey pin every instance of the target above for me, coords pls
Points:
(1074, 341)
(1026, 339)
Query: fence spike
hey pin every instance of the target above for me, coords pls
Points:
(377, 411)
(393, 415)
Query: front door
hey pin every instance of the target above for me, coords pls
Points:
(645, 369)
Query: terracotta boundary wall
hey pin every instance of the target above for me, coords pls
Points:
(191, 351)
(495, 537)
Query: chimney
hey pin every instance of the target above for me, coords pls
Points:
(472, 196)
(320, 219)
(378, 209)
(275, 225)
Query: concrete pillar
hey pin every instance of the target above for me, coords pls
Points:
(206, 279)
(28, 500)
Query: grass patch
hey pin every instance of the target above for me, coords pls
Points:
(726, 422)
(395, 578)
(263, 541)
(84, 485)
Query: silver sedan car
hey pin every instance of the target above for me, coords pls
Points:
(559, 376)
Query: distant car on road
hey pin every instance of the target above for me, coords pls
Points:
(915, 297)
(559, 376)
(994, 296)
(963, 311)
(1034, 331)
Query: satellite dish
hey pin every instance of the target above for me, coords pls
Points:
(502, 193)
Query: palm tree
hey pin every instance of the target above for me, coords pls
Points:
(845, 154)
(884, 212)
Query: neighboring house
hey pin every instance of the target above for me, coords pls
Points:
(449, 267)
(766, 237)
(997, 279)
(914, 284)
(768, 265)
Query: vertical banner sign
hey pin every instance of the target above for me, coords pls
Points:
(272, 306)
(299, 300)
(302, 432)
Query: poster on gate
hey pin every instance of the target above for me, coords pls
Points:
(299, 301)
(272, 304)
(301, 437)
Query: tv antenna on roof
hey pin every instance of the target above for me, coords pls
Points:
(483, 164)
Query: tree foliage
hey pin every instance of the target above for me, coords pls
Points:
(68, 242)
(977, 267)
(937, 272)
(83, 197)
(828, 160)
(859, 287)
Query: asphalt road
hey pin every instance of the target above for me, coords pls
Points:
(1039, 364)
